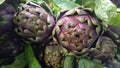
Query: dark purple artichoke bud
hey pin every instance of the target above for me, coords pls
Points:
(114, 33)
(33, 22)
(11, 47)
(112, 64)
(54, 55)
(76, 29)
(105, 49)
(6, 18)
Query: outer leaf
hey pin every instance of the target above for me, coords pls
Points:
(69, 62)
(89, 4)
(118, 54)
(5, 61)
(47, 1)
(115, 21)
(72, 0)
(105, 9)
(30, 58)
(86, 3)
(36, 1)
(1, 1)
(118, 10)
(65, 4)
(18, 63)
(85, 63)
(54, 7)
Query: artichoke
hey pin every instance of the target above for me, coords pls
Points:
(112, 64)
(54, 55)
(11, 47)
(76, 29)
(105, 49)
(33, 22)
(6, 18)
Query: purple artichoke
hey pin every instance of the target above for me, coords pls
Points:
(33, 22)
(112, 64)
(6, 18)
(11, 47)
(105, 49)
(76, 29)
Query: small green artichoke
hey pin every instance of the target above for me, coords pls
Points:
(54, 55)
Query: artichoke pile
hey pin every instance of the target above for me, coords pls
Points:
(74, 32)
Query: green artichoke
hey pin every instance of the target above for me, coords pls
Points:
(76, 29)
(54, 55)
(33, 22)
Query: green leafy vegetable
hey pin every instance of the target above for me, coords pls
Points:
(18, 63)
(118, 54)
(65, 4)
(69, 62)
(105, 9)
(115, 21)
(37, 1)
(1, 1)
(85, 63)
(72, 0)
(30, 57)
(86, 3)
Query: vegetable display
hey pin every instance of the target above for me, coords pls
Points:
(59, 34)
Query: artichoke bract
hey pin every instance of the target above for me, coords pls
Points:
(76, 29)
(33, 22)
